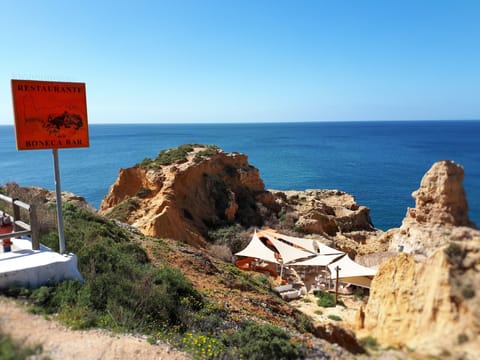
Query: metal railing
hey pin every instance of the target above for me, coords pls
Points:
(20, 227)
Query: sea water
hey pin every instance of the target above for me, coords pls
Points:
(380, 163)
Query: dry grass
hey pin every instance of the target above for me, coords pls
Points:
(221, 252)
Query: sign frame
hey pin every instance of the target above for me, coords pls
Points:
(50, 114)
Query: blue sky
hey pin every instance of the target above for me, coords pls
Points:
(249, 61)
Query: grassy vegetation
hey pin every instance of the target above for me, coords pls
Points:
(462, 338)
(369, 342)
(455, 253)
(167, 157)
(246, 281)
(123, 291)
(325, 299)
(263, 342)
(122, 211)
(358, 294)
(334, 317)
(468, 291)
(234, 237)
(177, 155)
(10, 350)
(209, 150)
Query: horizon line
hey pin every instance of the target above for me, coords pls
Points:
(266, 122)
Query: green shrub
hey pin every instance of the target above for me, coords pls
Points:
(304, 324)
(167, 157)
(10, 350)
(122, 289)
(334, 317)
(245, 281)
(143, 193)
(455, 253)
(42, 296)
(210, 150)
(234, 237)
(122, 211)
(124, 292)
(468, 291)
(202, 346)
(462, 338)
(254, 342)
(358, 294)
(325, 299)
(369, 342)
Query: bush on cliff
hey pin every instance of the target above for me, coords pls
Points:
(122, 211)
(254, 341)
(122, 289)
(11, 350)
(167, 157)
(178, 155)
(325, 299)
(235, 237)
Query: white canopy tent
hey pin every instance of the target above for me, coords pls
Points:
(258, 250)
(318, 260)
(351, 272)
(305, 250)
(287, 252)
(311, 245)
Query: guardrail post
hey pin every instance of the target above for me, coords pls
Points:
(34, 228)
(16, 214)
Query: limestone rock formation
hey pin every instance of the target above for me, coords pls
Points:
(336, 215)
(426, 298)
(441, 197)
(325, 211)
(341, 336)
(42, 197)
(182, 198)
(431, 306)
(440, 214)
(206, 188)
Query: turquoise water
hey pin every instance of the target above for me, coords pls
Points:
(380, 163)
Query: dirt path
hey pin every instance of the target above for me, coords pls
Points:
(59, 342)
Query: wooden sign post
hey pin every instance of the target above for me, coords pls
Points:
(337, 269)
(51, 115)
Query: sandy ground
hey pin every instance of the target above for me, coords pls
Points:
(347, 313)
(59, 342)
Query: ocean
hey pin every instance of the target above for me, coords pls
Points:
(380, 163)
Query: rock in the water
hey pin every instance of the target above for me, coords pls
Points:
(440, 214)
(441, 197)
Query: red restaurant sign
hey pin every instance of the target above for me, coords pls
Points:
(50, 115)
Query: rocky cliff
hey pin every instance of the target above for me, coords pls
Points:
(426, 298)
(440, 214)
(334, 214)
(431, 306)
(441, 198)
(187, 191)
